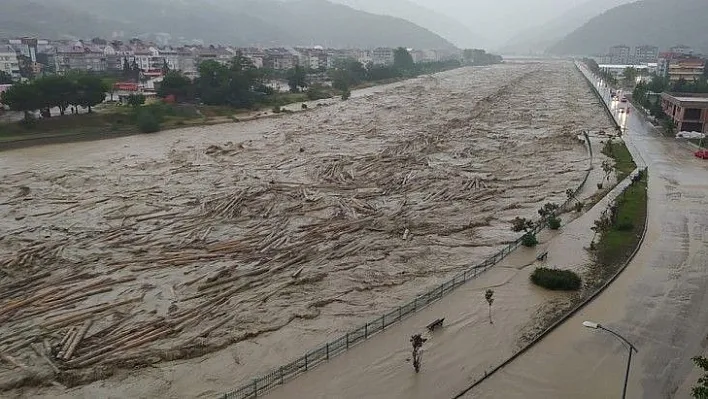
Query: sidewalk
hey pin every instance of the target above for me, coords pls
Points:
(468, 345)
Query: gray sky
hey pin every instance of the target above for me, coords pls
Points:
(501, 18)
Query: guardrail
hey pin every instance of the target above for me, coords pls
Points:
(282, 374)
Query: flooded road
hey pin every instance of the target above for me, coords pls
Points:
(659, 303)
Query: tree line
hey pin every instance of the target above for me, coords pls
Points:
(55, 91)
(240, 84)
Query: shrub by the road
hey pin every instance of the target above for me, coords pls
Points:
(555, 279)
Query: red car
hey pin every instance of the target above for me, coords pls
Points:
(703, 154)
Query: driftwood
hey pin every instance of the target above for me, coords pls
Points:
(75, 342)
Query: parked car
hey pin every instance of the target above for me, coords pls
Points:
(703, 154)
(624, 99)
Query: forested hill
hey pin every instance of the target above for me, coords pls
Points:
(235, 22)
(660, 23)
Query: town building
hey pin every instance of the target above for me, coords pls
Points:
(80, 57)
(687, 68)
(645, 54)
(8, 61)
(620, 54)
(382, 56)
(681, 49)
(689, 111)
(280, 58)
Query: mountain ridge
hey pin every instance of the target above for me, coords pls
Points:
(655, 22)
(238, 23)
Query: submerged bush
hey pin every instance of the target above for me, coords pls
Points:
(529, 240)
(556, 279)
(147, 122)
(554, 223)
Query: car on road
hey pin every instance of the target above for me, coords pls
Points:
(624, 99)
(702, 153)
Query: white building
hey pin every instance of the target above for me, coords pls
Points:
(8, 61)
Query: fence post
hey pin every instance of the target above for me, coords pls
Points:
(306, 361)
(327, 350)
(281, 376)
(366, 330)
(383, 322)
(399, 313)
(347, 341)
(415, 305)
(255, 388)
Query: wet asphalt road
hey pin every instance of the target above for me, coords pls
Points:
(660, 302)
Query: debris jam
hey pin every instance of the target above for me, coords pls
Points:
(267, 238)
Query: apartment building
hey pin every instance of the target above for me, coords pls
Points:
(687, 68)
(8, 61)
(646, 54)
(382, 56)
(620, 54)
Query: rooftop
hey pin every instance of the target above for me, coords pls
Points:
(695, 98)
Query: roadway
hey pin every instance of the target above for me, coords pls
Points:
(660, 302)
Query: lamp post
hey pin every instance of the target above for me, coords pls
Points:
(593, 325)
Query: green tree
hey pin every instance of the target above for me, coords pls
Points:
(57, 91)
(629, 76)
(177, 85)
(91, 91)
(680, 85)
(5, 78)
(165, 68)
(23, 97)
(297, 79)
(136, 100)
(700, 390)
(233, 84)
(110, 83)
(522, 224)
(548, 214)
(403, 60)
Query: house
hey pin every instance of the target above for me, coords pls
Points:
(689, 111)
(8, 61)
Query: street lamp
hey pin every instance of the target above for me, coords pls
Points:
(595, 326)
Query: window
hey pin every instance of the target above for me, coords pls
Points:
(692, 114)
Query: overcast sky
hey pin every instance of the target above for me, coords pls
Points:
(501, 18)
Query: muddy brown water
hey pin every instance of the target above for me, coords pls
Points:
(299, 220)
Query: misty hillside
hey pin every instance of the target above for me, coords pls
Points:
(235, 22)
(449, 28)
(656, 22)
(539, 38)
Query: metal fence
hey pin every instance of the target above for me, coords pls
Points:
(279, 376)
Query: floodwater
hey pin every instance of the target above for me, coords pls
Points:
(659, 303)
(238, 247)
